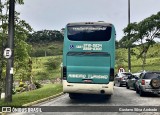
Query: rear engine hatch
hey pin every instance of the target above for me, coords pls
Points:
(88, 67)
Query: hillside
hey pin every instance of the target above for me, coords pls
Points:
(46, 49)
(152, 61)
(46, 68)
(54, 56)
(45, 43)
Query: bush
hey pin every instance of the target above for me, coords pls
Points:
(19, 89)
(13, 91)
(21, 84)
(38, 85)
(53, 63)
(42, 76)
(25, 86)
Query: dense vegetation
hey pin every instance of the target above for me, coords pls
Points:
(45, 43)
(143, 33)
(46, 49)
(45, 36)
(21, 49)
(46, 68)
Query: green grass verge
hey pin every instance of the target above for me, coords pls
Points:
(30, 96)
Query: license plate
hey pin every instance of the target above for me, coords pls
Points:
(87, 81)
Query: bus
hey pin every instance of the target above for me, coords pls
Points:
(88, 58)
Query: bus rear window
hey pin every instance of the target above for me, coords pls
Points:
(89, 33)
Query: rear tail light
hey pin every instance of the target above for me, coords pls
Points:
(111, 78)
(143, 82)
(64, 73)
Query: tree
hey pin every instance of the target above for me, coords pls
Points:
(22, 29)
(117, 44)
(45, 36)
(142, 33)
(19, 1)
(121, 58)
(130, 35)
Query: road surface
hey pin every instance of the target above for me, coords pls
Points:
(121, 100)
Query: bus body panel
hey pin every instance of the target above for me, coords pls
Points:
(88, 88)
(81, 68)
(88, 65)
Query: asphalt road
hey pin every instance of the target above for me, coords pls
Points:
(121, 100)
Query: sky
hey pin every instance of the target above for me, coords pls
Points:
(55, 14)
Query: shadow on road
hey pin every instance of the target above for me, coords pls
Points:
(90, 98)
(152, 95)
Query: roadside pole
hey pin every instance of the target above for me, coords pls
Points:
(1, 63)
(10, 53)
(129, 48)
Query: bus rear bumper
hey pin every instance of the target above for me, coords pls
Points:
(88, 88)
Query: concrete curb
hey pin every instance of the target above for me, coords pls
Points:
(42, 100)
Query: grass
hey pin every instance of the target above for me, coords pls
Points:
(40, 71)
(152, 64)
(30, 96)
(152, 60)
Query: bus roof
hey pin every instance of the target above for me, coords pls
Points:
(89, 23)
